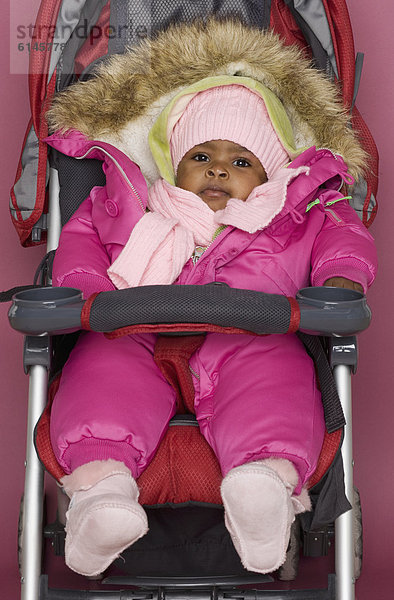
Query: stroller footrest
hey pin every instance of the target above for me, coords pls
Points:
(208, 592)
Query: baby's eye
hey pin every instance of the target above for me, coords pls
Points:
(241, 162)
(201, 157)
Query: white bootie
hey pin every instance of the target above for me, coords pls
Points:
(258, 515)
(102, 521)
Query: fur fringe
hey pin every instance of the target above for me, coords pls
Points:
(137, 85)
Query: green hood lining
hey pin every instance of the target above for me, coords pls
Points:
(159, 134)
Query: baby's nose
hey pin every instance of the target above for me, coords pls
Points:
(217, 171)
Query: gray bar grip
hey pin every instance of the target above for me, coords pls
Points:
(333, 311)
(51, 310)
(324, 311)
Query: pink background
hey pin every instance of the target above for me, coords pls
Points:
(373, 384)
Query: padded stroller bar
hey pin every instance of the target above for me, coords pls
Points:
(212, 307)
(206, 304)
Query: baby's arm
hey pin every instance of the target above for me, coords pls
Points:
(81, 260)
(344, 252)
(342, 282)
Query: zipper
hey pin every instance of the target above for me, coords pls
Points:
(196, 375)
(330, 151)
(196, 256)
(333, 215)
(131, 186)
(217, 233)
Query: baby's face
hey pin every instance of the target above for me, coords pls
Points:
(219, 170)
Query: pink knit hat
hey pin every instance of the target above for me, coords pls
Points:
(233, 113)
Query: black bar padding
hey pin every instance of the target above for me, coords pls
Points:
(217, 304)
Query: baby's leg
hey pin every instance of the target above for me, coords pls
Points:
(259, 511)
(110, 412)
(112, 403)
(104, 516)
(262, 402)
(265, 423)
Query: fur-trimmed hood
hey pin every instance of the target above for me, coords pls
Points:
(122, 102)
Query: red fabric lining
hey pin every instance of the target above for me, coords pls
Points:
(43, 439)
(44, 31)
(174, 328)
(295, 316)
(283, 23)
(341, 32)
(85, 313)
(184, 469)
(94, 46)
(172, 356)
(330, 447)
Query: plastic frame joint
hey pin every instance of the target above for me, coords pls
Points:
(37, 350)
(343, 351)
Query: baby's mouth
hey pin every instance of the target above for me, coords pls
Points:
(214, 191)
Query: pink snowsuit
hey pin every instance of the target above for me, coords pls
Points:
(255, 397)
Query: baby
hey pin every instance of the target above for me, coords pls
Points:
(236, 204)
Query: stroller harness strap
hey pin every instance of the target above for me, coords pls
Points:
(333, 413)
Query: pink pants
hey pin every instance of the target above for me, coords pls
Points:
(255, 397)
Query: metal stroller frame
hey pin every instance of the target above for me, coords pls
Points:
(343, 359)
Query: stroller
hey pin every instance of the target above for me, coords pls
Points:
(173, 311)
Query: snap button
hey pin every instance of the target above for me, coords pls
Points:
(112, 208)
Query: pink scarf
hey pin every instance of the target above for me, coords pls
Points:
(165, 238)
